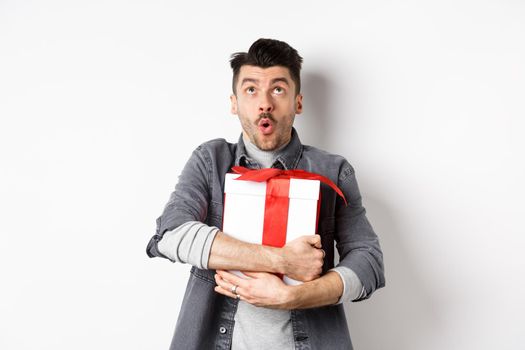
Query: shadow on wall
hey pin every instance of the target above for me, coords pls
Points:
(404, 314)
(316, 121)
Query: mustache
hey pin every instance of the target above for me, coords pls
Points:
(267, 116)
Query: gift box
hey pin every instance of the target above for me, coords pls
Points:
(271, 206)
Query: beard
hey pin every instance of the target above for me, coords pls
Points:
(280, 136)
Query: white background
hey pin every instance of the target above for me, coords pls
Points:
(102, 102)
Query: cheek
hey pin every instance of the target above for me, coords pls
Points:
(247, 109)
(289, 105)
(245, 121)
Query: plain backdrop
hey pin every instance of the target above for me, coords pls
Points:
(102, 102)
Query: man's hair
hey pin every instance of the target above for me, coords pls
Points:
(266, 53)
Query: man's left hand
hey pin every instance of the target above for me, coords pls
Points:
(260, 289)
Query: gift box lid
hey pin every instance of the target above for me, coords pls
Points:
(299, 188)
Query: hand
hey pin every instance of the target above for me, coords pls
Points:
(261, 289)
(303, 258)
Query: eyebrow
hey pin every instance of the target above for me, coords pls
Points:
(256, 81)
(283, 79)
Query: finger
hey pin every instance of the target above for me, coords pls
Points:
(224, 292)
(230, 277)
(221, 282)
(225, 287)
(315, 240)
(253, 274)
(226, 284)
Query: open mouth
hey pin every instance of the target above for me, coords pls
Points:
(266, 126)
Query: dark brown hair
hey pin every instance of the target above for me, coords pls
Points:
(266, 53)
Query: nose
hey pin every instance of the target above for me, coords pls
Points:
(265, 104)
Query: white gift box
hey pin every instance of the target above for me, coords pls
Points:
(246, 204)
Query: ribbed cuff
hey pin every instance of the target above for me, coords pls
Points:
(352, 287)
(189, 243)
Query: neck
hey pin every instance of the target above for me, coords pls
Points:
(264, 158)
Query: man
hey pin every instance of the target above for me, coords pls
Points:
(223, 311)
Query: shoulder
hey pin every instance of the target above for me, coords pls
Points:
(215, 143)
(327, 160)
(217, 152)
(218, 145)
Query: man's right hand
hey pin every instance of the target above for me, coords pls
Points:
(300, 259)
(303, 258)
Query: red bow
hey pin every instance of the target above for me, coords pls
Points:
(263, 175)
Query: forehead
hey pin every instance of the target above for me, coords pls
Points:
(264, 75)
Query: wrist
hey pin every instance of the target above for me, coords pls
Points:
(277, 260)
(289, 295)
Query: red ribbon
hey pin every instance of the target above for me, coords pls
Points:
(277, 200)
(262, 175)
(276, 212)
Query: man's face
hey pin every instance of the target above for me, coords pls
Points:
(266, 104)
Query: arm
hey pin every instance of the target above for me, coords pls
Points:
(357, 243)
(205, 248)
(323, 291)
(352, 287)
(359, 250)
(301, 259)
(267, 290)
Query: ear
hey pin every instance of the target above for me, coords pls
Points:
(298, 104)
(233, 100)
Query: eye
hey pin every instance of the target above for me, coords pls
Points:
(250, 90)
(278, 90)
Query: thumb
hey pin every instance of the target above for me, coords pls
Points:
(315, 241)
(253, 274)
